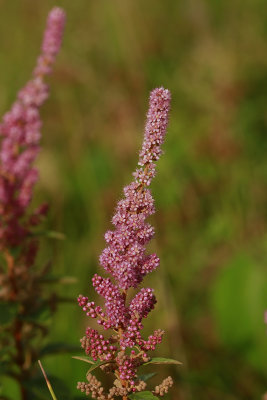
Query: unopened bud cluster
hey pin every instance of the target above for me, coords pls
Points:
(93, 388)
(99, 348)
(125, 258)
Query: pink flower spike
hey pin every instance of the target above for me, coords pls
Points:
(20, 133)
(126, 260)
(52, 41)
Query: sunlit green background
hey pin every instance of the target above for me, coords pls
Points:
(210, 189)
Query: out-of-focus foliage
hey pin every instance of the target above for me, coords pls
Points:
(211, 185)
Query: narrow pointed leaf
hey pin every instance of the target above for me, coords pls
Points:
(95, 364)
(162, 360)
(146, 377)
(98, 364)
(85, 359)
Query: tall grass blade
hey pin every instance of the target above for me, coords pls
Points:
(47, 381)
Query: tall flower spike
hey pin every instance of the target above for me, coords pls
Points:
(125, 258)
(20, 133)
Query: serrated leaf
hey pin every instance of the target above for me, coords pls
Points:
(162, 360)
(142, 396)
(146, 377)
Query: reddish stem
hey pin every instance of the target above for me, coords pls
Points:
(11, 274)
(18, 325)
(120, 332)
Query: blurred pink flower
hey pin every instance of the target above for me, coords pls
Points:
(20, 133)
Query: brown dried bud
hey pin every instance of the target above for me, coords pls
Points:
(94, 388)
(117, 383)
(163, 388)
(140, 386)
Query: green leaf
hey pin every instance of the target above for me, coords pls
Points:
(85, 359)
(146, 377)
(162, 360)
(95, 364)
(59, 347)
(98, 364)
(142, 396)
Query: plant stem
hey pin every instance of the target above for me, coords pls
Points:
(120, 332)
(47, 381)
(11, 274)
(18, 325)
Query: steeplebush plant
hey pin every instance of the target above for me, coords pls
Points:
(22, 296)
(125, 259)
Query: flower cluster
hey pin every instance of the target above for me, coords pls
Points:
(97, 347)
(126, 260)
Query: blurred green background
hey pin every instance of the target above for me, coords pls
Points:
(210, 189)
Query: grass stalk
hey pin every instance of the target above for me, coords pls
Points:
(47, 382)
